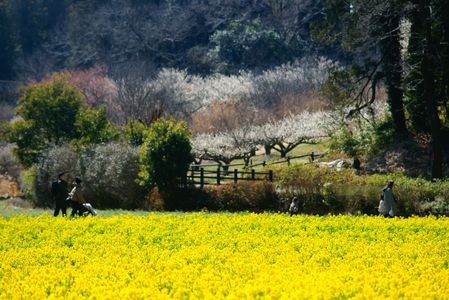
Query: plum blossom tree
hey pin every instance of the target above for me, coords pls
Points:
(284, 135)
(296, 78)
(221, 148)
(170, 93)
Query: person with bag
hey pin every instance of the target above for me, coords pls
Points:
(387, 204)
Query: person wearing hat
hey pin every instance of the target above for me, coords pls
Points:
(387, 205)
(77, 198)
(59, 191)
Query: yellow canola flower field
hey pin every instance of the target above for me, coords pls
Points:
(216, 256)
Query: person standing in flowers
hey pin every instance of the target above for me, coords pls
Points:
(59, 191)
(387, 204)
(294, 207)
(77, 198)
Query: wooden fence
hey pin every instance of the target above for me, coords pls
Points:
(288, 159)
(202, 177)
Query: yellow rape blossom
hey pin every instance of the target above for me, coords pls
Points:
(224, 256)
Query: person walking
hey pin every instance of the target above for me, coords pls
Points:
(77, 198)
(294, 207)
(59, 191)
(387, 204)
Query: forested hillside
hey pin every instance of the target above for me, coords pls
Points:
(245, 76)
(201, 36)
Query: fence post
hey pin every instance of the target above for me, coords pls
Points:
(253, 174)
(193, 175)
(218, 175)
(288, 160)
(312, 156)
(235, 175)
(270, 175)
(201, 177)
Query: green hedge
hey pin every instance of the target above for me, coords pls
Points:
(256, 196)
(252, 196)
(326, 190)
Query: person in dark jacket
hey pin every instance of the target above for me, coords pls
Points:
(59, 191)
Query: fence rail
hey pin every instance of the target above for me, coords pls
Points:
(198, 175)
(204, 177)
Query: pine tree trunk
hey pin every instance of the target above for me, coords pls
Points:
(416, 107)
(392, 66)
(427, 69)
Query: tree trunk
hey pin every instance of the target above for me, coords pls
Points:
(415, 105)
(392, 67)
(267, 149)
(427, 69)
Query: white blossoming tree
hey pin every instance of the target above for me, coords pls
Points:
(282, 136)
(225, 147)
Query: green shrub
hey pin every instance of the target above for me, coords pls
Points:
(185, 199)
(93, 127)
(325, 190)
(29, 184)
(345, 141)
(165, 154)
(367, 140)
(134, 132)
(52, 113)
(109, 174)
(256, 196)
(383, 135)
(48, 110)
(247, 195)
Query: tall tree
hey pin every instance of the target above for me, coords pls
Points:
(440, 28)
(415, 106)
(427, 68)
(371, 31)
(7, 54)
(390, 47)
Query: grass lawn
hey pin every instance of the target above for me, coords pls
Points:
(15, 207)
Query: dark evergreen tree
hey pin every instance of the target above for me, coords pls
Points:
(415, 106)
(427, 67)
(390, 47)
(7, 54)
(371, 32)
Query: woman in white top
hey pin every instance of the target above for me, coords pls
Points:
(387, 205)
